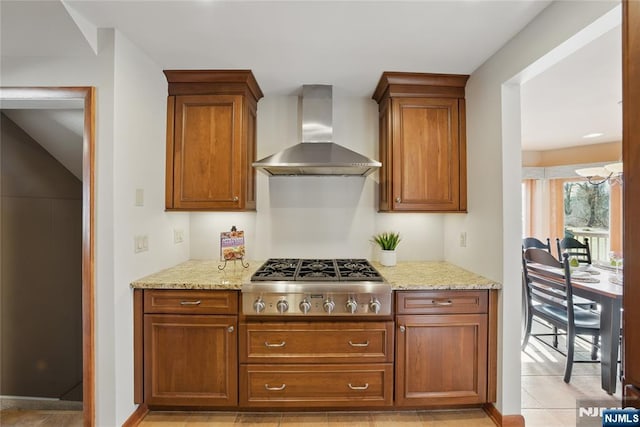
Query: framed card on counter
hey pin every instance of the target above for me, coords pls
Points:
(232, 245)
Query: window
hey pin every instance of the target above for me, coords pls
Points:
(586, 214)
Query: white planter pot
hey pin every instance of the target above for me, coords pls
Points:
(388, 258)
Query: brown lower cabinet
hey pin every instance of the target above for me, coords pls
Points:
(442, 355)
(191, 351)
(190, 360)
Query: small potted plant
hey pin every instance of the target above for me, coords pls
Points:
(388, 242)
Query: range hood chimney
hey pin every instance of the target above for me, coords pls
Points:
(317, 154)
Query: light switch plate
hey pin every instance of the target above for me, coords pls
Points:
(141, 243)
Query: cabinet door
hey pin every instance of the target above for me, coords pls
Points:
(441, 360)
(190, 360)
(426, 154)
(208, 154)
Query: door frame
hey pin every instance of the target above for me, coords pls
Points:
(87, 95)
(631, 202)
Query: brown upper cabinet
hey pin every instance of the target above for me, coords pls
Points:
(422, 142)
(211, 140)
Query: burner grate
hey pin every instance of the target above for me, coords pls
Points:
(357, 269)
(330, 270)
(277, 269)
(317, 269)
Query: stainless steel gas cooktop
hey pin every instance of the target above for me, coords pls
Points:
(316, 287)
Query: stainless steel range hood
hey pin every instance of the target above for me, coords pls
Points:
(317, 154)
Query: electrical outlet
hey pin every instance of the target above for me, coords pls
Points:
(141, 243)
(178, 235)
(463, 239)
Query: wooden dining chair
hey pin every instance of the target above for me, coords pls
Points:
(532, 242)
(550, 298)
(575, 248)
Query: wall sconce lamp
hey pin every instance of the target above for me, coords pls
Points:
(600, 175)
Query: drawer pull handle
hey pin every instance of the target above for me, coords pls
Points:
(355, 387)
(280, 344)
(282, 387)
(402, 328)
(198, 302)
(447, 302)
(356, 344)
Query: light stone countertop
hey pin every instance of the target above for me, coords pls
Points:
(426, 275)
(413, 275)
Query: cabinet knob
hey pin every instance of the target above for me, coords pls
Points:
(402, 328)
(235, 199)
(398, 199)
(230, 329)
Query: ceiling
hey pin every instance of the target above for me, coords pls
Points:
(344, 43)
(579, 95)
(286, 43)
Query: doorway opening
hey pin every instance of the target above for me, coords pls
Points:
(41, 98)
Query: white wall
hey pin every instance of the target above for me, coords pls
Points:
(493, 143)
(140, 97)
(318, 216)
(130, 140)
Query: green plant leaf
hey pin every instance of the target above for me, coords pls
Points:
(388, 240)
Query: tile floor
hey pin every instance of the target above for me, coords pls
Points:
(547, 401)
(466, 418)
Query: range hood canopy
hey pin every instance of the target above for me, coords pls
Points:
(317, 154)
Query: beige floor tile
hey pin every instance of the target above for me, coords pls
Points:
(166, 419)
(308, 419)
(13, 417)
(40, 418)
(545, 418)
(566, 417)
(63, 419)
(461, 418)
(552, 392)
(258, 419)
(350, 419)
(400, 419)
(527, 401)
(212, 419)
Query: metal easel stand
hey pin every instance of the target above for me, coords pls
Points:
(242, 263)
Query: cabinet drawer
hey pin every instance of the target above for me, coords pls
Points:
(315, 385)
(326, 342)
(170, 301)
(441, 302)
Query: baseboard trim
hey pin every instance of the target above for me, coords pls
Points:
(137, 416)
(503, 420)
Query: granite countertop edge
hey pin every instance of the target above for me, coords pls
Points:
(410, 275)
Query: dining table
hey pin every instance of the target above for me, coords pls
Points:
(603, 285)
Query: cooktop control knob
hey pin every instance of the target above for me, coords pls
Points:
(352, 305)
(374, 306)
(305, 306)
(329, 305)
(259, 305)
(282, 306)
